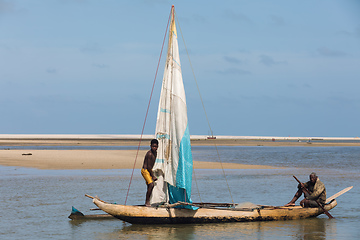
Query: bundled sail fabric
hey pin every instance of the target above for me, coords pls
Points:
(173, 165)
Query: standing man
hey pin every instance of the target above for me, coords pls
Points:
(317, 192)
(146, 170)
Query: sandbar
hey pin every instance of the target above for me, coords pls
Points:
(95, 159)
(128, 159)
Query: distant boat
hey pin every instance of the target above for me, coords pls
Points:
(171, 197)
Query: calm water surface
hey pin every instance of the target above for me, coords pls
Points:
(36, 203)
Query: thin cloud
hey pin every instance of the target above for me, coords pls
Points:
(72, 1)
(6, 6)
(234, 71)
(294, 86)
(193, 18)
(91, 48)
(355, 33)
(269, 61)
(239, 17)
(51, 70)
(232, 60)
(326, 52)
(276, 20)
(99, 65)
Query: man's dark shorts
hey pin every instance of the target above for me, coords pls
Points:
(312, 203)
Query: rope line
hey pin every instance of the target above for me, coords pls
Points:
(147, 110)
(202, 102)
(197, 187)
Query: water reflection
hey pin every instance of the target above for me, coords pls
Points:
(317, 228)
(180, 231)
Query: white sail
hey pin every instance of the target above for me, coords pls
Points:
(173, 165)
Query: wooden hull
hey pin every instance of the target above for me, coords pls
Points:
(151, 215)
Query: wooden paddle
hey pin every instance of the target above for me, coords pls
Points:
(338, 194)
(325, 211)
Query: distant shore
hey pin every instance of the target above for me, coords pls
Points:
(196, 140)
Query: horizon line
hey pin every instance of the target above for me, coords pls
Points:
(151, 136)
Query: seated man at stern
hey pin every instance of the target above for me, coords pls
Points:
(317, 192)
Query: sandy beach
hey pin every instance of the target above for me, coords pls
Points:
(94, 159)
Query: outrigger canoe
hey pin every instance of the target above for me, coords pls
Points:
(207, 213)
(174, 167)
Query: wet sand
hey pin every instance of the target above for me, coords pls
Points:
(94, 159)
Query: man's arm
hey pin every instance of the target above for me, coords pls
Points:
(318, 189)
(152, 174)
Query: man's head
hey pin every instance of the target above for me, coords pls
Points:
(313, 177)
(154, 145)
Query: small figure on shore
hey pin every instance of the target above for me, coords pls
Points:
(146, 170)
(317, 192)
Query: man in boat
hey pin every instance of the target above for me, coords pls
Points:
(146, 170)
(317, 192)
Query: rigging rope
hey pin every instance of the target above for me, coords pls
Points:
(147, 110)
(202, 102)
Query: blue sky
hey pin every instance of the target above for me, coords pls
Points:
(264, 68)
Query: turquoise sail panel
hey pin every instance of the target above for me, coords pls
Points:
(182, 191)
(185, 165)
(177, 194)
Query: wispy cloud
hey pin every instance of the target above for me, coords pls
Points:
(277, 20)
(306, 85)
(51, 70)
(91, 48)
(193, 18)
(295, 86)
(269, 61)
(326, 52)
(100, 65)
(6, 6)
(236, 16)
(72, 1)
(355, 33)
(233, 71)
(232, 60)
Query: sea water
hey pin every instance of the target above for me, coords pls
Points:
(35, 203)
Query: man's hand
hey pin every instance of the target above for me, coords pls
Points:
(154, 178)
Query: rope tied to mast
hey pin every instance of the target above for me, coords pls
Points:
(202, 102)
(147, 110)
